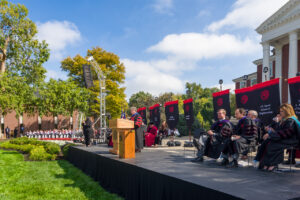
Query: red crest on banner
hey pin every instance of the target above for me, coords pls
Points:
(171, 109)
(264, 95)
(220, 101)
(244, 99)
(187, 108)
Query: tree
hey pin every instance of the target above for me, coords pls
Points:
(114, 71)
(141, 99)
(21, 53)
(62, 98)
(15, 95)
(203, 105)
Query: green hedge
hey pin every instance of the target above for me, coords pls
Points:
(39, 154)
(37, 150)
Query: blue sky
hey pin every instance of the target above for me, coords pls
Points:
(163, 43)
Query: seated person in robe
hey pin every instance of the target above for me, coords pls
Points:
(150, 134)
(211, 144)
(284, 137)
(245, 136)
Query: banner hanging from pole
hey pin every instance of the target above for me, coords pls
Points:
(263, 97)
(155, 114)
(172, 114)
(294, 87)
(188, 112)
(221, 101)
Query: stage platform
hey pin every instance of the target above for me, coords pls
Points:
(167, 173)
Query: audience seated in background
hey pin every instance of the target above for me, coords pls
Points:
(162, 133)
(52, 134)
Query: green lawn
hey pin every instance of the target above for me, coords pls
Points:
(43, 180)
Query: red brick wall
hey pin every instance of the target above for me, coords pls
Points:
(285, 72)
(259, 73)
(237, 85)
(30, 122)
(11, 121)
(47, 122)
(63, 122)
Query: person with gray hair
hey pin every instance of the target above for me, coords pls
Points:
(139, 134)
(252, 114)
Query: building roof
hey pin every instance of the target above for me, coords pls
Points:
(260, 61)
(285, 14)
(252, 75)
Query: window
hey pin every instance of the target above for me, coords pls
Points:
(253, 81)
(242, 84)
(271, 69)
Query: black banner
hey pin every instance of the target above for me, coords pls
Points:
(188, 112)
(155, 114)
(267, 98)
(221, 101)
(244, 99)
(172, 114)
(263, 97)
(294, 86)
(142, 112)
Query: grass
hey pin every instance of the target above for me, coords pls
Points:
(43, 180)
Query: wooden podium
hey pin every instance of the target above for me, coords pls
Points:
(123, 137)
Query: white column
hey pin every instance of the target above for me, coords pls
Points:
(278, 67)
(293, 57)
(293, 52)
(266, 61)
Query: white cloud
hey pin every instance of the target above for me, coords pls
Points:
(197, 46)
(163, 6)
(248, 14)
(145, 76)
(59, 35)
(56, 75)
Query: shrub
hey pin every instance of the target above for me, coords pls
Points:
(26, 148)
(38, 150)
(39, 153)
(66, 149)
(51, 148)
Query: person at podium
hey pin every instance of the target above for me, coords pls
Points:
(138, 122)
(150, 135)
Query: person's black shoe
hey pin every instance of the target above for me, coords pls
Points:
(198, 159)
(233, 164)
(288, 162)
(224, 162)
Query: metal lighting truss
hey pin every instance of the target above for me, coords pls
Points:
(101, 78)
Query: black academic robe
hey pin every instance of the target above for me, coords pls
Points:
(88, 132)
(139, 130)
(247, 129)
(222, 132)
(283, 138)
